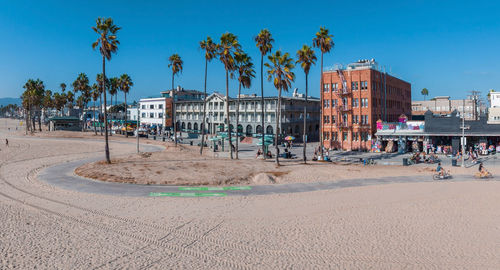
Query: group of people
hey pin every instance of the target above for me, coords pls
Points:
(259, 153)
(317, 154)
(419, 157)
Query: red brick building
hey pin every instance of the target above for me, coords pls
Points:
(354, 98)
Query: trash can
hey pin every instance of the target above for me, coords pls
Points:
(191, 143)
(454, 162)
(405, 161)
(163, 138)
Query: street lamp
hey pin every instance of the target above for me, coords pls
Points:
(137, 128)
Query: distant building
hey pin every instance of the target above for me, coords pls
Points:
(158, 111)
(443, 105)
(354, 98)
(494, 110)
(189, 115)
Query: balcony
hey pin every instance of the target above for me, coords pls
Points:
(344, 108)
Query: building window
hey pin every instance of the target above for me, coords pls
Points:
(143, 115)
(354, 85)
(333, 119)
(160, 115)
(345, 135)
(151, 115)
(326, 135)
(355, 103)
(326, 103)
(326, 119)
(334, 136)
(326, 87)
(355, 136)
(364, 85)
(364, 102)
(355, 119)
(152, 106)
(160, 106)
(335, 86)
(334, 103)
(364, 119)
(143, 107)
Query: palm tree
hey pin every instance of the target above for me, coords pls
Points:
(210, 49)
(47, 102)
(125, 85)
(96, 93)
(324, 41)
(264, 42)
(424, 92)
(81, 84)
(108, 44)
(244, 67)
(280, 71)
(63, 87)
(306, 58)
(227, 48)
(113, 90)
(106, 85)
(175, 63)
(32, 100)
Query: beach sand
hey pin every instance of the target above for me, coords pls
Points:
(433, 225)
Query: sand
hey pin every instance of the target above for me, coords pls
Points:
(435, 225)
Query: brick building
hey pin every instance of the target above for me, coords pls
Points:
(354, 97)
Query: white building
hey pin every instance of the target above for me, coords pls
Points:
(132, 113)
(152, 111)
(494, 110)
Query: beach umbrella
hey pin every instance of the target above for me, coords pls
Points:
(289, 138)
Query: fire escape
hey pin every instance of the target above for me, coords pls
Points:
(343, 106)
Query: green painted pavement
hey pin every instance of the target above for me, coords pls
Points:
(173, 194)
(214, 188)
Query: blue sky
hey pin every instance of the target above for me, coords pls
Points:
(449, 47)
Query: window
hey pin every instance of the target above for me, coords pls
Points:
(335, 86)
(364, 119)
(345, 136)
(326, 135)
(355, 136)
(334, 136)
(151, 115)
(160, 115)
(334, 103)
(326, 103)
(364, 102)
(333, 119)
(355, 119)
(354, 85)
(143, 107)
(364, 85)
(143, 115)
(326, 87)
(326, 119)
(355, 103)
(160, 106)
(152, 106)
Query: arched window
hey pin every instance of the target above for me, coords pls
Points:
(259, 129)
(248, 130)
(269, 130)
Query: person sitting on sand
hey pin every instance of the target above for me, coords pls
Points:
(259, 152)
(482, 171)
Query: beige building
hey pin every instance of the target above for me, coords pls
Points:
(494, 110)
(444, 105)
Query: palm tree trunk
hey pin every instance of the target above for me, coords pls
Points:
(100, 111)
(111, 120)
(126, 130)
(278, 116)
(40, 121)
(204, 110)
(93, 120)
(262, 102)
(304, 136)
(321, 114)
(237, 119)
(106, 145)
(173, 111)
(227, 115)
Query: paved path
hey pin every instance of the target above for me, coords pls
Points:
(63, 176)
